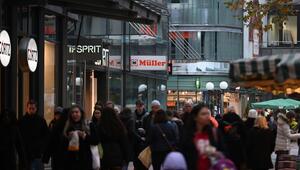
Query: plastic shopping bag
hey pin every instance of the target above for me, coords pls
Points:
(74, 142)
(95, 157)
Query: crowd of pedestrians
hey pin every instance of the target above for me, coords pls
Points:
(193, 140)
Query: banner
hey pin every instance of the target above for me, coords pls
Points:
(151, 63)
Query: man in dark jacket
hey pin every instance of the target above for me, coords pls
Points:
(34, 132)
(140, 114)
(148, 120)
(187, 109)
(11, 144)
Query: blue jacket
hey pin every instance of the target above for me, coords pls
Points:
(156, 140)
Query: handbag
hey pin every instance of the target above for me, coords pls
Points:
(145, 157)
(95, 157)
(166, 139)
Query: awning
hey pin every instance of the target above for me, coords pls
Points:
(276, 72)
(277, 104)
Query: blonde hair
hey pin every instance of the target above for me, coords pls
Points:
(261, 122)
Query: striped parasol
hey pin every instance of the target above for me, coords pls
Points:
(275, 72)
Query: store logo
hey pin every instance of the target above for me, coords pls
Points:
(84, 49)
(32, 55)
(5, 48)
(151, 63)
(134, 62)
(158, 63)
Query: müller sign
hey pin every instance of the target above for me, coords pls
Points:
(151, 63)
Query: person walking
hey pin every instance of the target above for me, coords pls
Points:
(260, 145)
(34, 132)
(11, 144)
(235, 135)
(163, 138)
(140, 138)
(148, 120)
(77, 139)
(199, 129)
(252, 115)
(113, 137)
(283, 137)
(187, 109)
(57, 113)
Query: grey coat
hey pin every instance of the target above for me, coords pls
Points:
(284, 136)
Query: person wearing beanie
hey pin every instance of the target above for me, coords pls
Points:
(174, 161)
(252, 115)
(148, 120)
(57, 113)
(283, 137)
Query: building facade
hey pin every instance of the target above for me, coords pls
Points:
(65, 52)
(205, 36)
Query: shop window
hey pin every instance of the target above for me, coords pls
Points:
(284, 34)
(115, 87)
(49, 85)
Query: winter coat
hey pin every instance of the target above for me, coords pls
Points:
(235, 146)
(115, 149)
(82, 159)
(34, 132)
(284, 136)
(156, 140)
(129, 123)
(188, 148)
(260, 145)
(11, 145)
(148, 122)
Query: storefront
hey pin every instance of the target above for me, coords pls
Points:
(79, 54)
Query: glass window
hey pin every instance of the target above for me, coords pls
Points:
(115, 90)
(136, 88)
(49, 80)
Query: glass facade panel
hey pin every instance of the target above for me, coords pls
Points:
(115, 88)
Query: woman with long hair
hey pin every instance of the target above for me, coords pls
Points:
(163, 138)
(77, 141)
(113, 137)
(260, 145)
(199, 134)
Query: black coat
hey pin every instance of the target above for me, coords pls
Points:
(156, 140)
(132, 135)
(11, 145)
(115, 149)
(188, 148)
(260, 145)
(81, 159)
(34, 132)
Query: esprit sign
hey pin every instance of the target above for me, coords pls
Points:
(151, 63)
(5, 48)
(29, 54)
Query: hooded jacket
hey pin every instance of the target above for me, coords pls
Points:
(284, 135)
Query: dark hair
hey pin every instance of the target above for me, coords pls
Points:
(139, 102)
(8, 117)
(94, 119)
(111, 124)
(191, 124)
(70, 123)
(80, 109)
(98, 105)
(126, 113)
(160, 116)
(32, 102)
(290, 115)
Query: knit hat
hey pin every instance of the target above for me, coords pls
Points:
(283, 117)
(58, 110)
(174, 161)
(155, 103)
(252, 114)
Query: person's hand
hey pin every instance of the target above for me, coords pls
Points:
(141, 130)
(70, 134)
(143, 139)
(82, 134)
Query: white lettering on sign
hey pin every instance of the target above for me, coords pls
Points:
(32, 55)
(5, 48)
(84, 49)
(154, 63)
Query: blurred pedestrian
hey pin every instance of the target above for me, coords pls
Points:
(260, 145)
(128, 121)
(283, 137)
(171, 117)
(235, 135)
(252, 115)
(34, 132)
(54, 147)
(199, 128)
(148, 120)
(110, 104)
(139, 143)
(113, 137)
(174, 161)
(57, 113)
(163, 138)
(77, 139)
(187, 109)
(11, 144)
